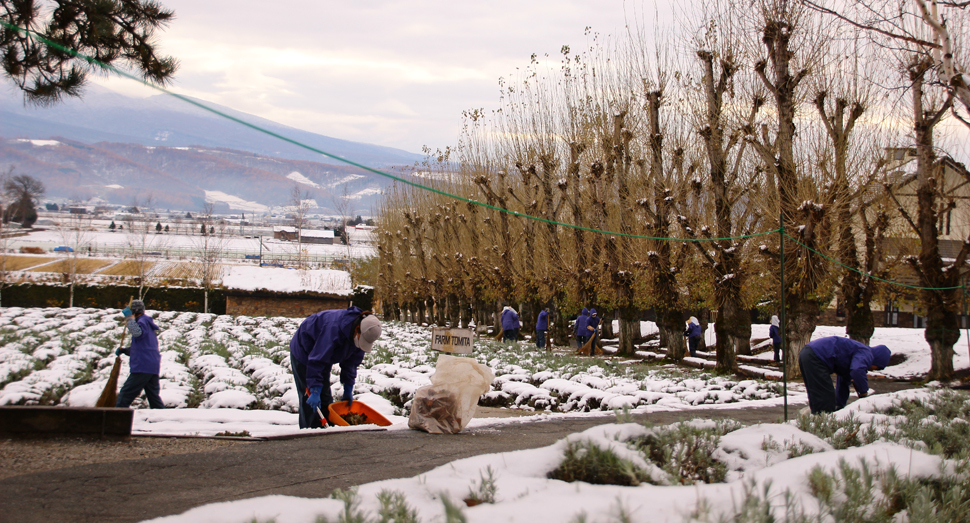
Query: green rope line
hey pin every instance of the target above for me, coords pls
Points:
(257, 128)
(873, 276)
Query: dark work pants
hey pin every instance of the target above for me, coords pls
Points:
(541, 339)
(692, 344)
(777, 347)
(818, 381)
(309, 419)
(136, 382)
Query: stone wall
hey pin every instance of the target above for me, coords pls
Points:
(289, 307)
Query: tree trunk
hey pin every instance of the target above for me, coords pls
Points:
(629, 330)
(802, 319)
(671, 325)
(70, 299)
(454, 311)
(205, 301)
(607, 322)
(422, 317)
(733, 332)
(859, 322)
(560, 327)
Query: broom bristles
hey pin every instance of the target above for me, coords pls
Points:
(109, 396)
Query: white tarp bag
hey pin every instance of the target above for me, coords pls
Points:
(448, 404)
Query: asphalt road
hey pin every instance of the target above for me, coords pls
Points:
(309, 467)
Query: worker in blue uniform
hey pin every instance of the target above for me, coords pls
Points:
(324, 339)
(848, 359)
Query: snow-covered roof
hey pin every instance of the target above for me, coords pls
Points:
(305, 233)
(287, 281)
(284, 228)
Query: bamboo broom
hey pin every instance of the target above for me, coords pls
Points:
(109, 396)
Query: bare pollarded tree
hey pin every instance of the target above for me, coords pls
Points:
(723, 208)
(790, 46)
(940, 277)
(927, 39)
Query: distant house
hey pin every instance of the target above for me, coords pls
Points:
(362, 234)
(282, 232)
(269, 291)
(314, 236)
(901, 307)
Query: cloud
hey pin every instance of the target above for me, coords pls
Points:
(390, 73)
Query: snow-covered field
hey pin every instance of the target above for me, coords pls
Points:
(100, 240)
(240, 365)
(231, 374)
(771, 472)
(225, 373)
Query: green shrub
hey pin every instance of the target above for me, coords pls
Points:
(685, 451)
(585, 461)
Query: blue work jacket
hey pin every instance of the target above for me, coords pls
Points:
(694, 330)
(542, 324)
(775, 335)
(510, 320)
(849, 360)
(326, 339)
(144, 348)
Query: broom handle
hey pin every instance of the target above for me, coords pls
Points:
(124, 326)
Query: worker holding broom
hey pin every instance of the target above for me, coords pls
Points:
(324, 339)
(145, 360)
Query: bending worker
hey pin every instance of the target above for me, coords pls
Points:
(145, 362)
(325, 339)
(848, 359)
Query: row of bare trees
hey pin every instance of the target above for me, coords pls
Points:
(774, 117)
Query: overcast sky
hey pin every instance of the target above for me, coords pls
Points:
(394, 73)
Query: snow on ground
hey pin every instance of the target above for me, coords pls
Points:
(758, 459)
(64, 356)
(249, 278)
(241, 365)
(903, 341)
(100, 240)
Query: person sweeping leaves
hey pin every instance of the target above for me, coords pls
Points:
(145, 360)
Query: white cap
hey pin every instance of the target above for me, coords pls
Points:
(370, 330)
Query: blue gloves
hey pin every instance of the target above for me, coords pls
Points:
(349, 393)
(126, 311)
(314, 400)
(126, 351)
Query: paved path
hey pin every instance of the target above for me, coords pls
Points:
(310, 467)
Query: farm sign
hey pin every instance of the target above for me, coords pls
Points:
(454, 341)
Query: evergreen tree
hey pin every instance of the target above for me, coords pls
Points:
(202, 229)
(112, 32)
(158, 227)
(112, 226)
(166, 228)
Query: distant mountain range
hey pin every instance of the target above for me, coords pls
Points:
(122, 149)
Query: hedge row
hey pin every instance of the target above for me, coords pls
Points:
(116, 297)
(111, 297)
